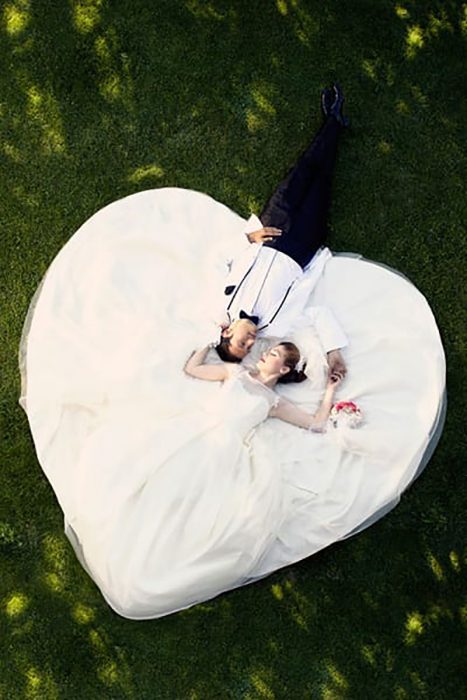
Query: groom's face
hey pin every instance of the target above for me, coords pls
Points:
(242, 336)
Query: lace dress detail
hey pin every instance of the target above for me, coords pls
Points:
(254, 386)
(245, 402)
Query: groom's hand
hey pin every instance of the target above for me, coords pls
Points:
(264, 234)
(336, 365)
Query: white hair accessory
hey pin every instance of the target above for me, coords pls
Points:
(300, 364)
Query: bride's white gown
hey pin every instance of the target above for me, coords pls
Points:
(174, 489)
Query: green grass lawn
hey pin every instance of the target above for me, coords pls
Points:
(103, 98)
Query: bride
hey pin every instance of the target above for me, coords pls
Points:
(278, 365)
(229, 508)
(216, 501)
(211, 497)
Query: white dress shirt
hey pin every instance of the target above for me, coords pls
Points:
(260, 286)
(269, 284)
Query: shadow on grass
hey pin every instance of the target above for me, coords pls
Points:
(101, 100)
(350, 622)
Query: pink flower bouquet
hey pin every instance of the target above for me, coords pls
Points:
(346, 414)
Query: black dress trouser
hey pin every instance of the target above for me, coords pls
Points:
(300, 204)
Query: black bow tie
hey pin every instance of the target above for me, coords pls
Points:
(253, 319)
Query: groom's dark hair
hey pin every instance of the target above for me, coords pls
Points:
(223, 350)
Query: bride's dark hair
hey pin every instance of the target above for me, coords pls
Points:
(292, 358)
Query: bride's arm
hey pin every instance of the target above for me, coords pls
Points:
(195, 367)
(289, 412)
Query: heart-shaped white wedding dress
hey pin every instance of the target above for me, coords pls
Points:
(173, 489)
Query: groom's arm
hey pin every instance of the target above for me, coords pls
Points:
(332, 337)
(328, 328)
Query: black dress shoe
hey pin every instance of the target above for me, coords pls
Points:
(337, 105)
(327, 99)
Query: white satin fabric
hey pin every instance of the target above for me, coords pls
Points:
(174, 489)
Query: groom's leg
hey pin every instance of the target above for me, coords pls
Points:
(300, 204)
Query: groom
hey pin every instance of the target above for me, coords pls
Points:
(266, 285)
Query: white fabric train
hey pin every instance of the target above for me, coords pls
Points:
(167, 500)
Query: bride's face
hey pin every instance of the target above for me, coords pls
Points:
(273, 361)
